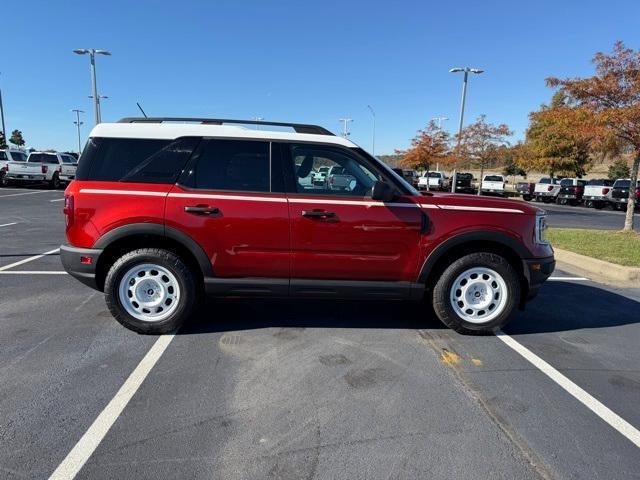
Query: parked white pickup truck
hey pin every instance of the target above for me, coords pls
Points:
(547, 190)
(492, 185)
(51, 167)
(435, 180)
(9, 155)
(597, 193)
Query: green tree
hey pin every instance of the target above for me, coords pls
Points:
(16, 138)
(618, 169)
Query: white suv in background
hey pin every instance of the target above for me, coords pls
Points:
(9, 155)
(51, 167)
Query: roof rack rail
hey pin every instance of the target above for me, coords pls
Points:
(297, 127)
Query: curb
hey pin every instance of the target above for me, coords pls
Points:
(598, 268)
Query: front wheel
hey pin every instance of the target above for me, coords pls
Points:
(150, 290)
(477, 293)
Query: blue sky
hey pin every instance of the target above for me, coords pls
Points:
(299, 61)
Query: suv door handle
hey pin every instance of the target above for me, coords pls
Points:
(202, 210)
(321, 214)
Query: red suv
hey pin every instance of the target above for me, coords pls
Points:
(165, 210)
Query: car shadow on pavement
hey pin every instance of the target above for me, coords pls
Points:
(560, 306)
(564, 306)
(223, 315)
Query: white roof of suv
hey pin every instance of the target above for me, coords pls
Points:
(155, 128)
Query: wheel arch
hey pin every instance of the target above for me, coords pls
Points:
(455, 247)
(129, 237)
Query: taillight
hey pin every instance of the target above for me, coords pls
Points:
(605, 191)
(68, 209)
(579, 189)
(44, 168)
(638, 193)
(549, 188)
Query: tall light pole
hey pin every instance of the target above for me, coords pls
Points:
(345, 126)
(92, 52)
(373, 135)
(466, 71)
(258, 119)
(77, 124)
(4, 132)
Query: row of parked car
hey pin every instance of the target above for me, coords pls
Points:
(19, 167)
(597, 193)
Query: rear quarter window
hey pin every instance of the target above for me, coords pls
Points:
(135, 159)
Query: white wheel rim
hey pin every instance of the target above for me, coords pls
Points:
(479, 295)
(149, 292)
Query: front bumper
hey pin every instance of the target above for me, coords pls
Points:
(85, 273)
(536, 271)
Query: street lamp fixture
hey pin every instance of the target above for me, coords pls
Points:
(77, 123)
(466, 71)
(92, 52)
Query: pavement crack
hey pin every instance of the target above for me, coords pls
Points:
(442, 346)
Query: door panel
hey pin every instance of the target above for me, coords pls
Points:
(337, 231)
(224, 202)
(358, 240)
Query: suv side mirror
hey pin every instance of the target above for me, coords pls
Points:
(382, 191)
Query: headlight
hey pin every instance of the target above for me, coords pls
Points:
(541, 229)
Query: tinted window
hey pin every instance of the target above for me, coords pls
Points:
(622, 183)
(135, 159)
(19, 157)
(567, 182)
(600, 182)
(493, 178)
(43, 158)
(545, 180)
(238, 165)
(3, 155)
(68, 159)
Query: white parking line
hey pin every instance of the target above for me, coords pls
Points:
(26, 193)
(87, 444)
(8, 224)
(57, 199)
(568, 279)
(605, 413)
(30, 259)
(34, 272)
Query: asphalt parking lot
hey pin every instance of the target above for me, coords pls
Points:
(293, 390)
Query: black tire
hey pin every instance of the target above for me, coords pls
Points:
(599, 205)
(526, 197)
(441, 293)
(590, 204)
(3, 179)
(189, 297)
(54, 183)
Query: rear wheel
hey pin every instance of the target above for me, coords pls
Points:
(150, 290)
(3, 179)
(55, 181)
(477, 293)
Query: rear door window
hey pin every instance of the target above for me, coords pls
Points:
(135, 159)
(231, 165)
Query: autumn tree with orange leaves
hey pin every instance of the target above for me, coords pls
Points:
(431, 145)
(559, 138)
(483, 144)
(607, 106)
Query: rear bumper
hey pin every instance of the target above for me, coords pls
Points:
(596, 198)
(536, 271)
(85, 273)
(20, 177)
